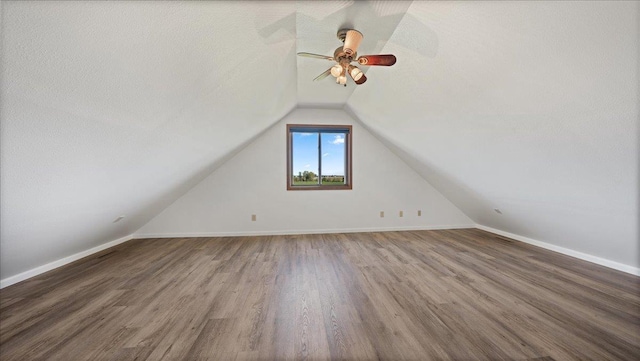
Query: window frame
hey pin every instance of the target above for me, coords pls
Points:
(318, 128)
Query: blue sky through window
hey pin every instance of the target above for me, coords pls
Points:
(305, 153)
(332, 154)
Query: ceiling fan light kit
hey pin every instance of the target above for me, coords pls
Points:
(362, 79)
(336, 70)
(346, 54)
(355, 73)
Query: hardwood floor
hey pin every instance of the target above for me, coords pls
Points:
(423, 295)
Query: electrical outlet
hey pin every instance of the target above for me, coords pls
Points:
(401, 214)
(381, 214)
(253, 218)
(419, 213)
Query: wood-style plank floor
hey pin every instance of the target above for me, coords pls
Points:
(423, 295)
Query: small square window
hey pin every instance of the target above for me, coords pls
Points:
(318, 157)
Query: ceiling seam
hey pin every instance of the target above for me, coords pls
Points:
(382, 50)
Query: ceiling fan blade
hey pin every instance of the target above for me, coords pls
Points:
(352, 42)
(315, 56)
(323, 75)
(382, 59)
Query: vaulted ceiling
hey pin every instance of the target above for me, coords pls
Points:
(113, 108)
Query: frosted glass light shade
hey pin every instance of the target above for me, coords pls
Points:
(342, 80)
(352, 42)
(355, 73)
(362, 79)
(336, 70)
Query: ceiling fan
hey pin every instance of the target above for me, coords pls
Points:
(346, 54)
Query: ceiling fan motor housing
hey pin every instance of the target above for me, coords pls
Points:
(339, 55)
(342, 34)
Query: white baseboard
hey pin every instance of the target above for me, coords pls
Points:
(569, 252)
(294, 232)
(61, 262)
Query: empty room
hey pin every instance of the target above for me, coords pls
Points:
(319, 180)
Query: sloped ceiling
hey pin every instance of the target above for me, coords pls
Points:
(117, 108)
(527, 107)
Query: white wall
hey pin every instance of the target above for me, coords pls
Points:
(529, 107)
(254, 182)
(111, 108)
(119, 107)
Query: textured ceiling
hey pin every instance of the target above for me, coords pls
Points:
(114, 107)
(528, 107)
(117, 108)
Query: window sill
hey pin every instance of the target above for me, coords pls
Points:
(318, 188)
